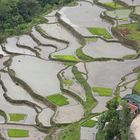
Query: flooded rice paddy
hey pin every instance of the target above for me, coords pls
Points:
(30, 71)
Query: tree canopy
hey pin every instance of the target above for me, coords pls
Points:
(114, 122)
(17, 12)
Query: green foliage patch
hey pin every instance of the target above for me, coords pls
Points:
(133, 31)
(17, 117)
(89, 123)
(66, 58)
(68, 82)
(18, 133)
(90, 39)
(102, 91)
(137, 87)
(113, 5)
(15, 14)
(58, 99)
(100, 32)
(72, 132)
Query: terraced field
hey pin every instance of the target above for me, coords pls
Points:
(55, 79)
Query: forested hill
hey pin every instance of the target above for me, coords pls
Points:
(15, 14)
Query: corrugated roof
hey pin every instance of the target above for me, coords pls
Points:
(134, 97)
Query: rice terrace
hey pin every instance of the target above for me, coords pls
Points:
(69, 69)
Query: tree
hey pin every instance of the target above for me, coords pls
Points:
(114, 122)
(9, 16)
(28, 9)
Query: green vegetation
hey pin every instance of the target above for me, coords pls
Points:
(72, 132)
(113, 122)
(69, 63)
(100, 32)
(102, 91)
(18, 133)
(90, 101)
(81, 55)
(90, 39)
(123, 19)
(18, 16)
(113, 5)
(89, 123)
(130, 31)
(58, 99)
(137, 87)
(66, 58)
(100, 135)
(68, 82)
(121, 14)
(131, 56)
(17, 117)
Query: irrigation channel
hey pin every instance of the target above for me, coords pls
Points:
(52, 77)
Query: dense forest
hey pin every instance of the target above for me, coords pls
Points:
(16, 14)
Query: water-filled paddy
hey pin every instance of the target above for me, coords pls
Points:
(34, 134)
(23, 109)
(35, 69)
(11, 47)
(47, 41)
(82, 16)
(130, 2)
(38, 74)
(48, 113)
(16, 92)
(59, 32)
(108, 74)
(101, 48)
(68, 114)
(26, 40)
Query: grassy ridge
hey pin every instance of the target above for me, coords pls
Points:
(90, 101)
(70, 58)
(81, 55)
(89, 123)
